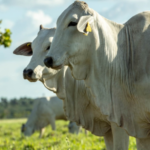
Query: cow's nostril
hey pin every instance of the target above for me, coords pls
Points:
(29, 72)
(48, 62)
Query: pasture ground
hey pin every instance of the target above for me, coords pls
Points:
(11, 139)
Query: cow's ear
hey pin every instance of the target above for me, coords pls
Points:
(41, 27)
(24, 49)
(84, 24)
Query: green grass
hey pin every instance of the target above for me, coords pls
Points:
(11, 139)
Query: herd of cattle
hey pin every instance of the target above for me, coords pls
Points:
(100, 69)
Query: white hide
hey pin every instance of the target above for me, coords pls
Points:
(78, 105)
(113, 60)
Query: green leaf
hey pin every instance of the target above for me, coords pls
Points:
(5, 37)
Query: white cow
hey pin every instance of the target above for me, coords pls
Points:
(45, 111)
(113, 60)
(78, 104)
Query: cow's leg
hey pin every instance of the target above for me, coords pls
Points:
(143, 144)
(41, 132)
(52, 122)
(120, 138)
(86, 132)
(108, 138)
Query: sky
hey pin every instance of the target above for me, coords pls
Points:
(24, 17)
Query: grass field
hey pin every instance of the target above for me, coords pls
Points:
(11, 139)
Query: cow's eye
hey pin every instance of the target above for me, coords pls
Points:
(72, 24)
(48, 48)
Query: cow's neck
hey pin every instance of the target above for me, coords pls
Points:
(56, 83)
(106, 52)
(32, 119)
(79, 106)
(61, 84)
(107, 64)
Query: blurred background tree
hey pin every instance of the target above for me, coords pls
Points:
(5, 37)
(15, 108)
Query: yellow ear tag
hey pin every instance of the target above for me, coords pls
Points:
(28, 44)
(88, 28)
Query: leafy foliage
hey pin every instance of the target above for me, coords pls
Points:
(11, 139)
(5, 37)
(15, 108)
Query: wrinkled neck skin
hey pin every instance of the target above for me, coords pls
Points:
(80, 108)
(104, 58)
(56, 83)
(77, 65)
(105, 72)
(94, 64)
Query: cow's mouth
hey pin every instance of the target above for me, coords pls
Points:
(57, 67)
(31, 80)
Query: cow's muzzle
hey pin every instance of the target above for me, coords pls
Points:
(48, 61)
(27, 74)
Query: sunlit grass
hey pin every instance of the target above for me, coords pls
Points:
(11, 139)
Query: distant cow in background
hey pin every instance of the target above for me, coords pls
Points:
(74, 128)
(45, 111)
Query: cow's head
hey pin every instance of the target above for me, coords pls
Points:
(73, 38)
(26, 130)
(36, 70)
